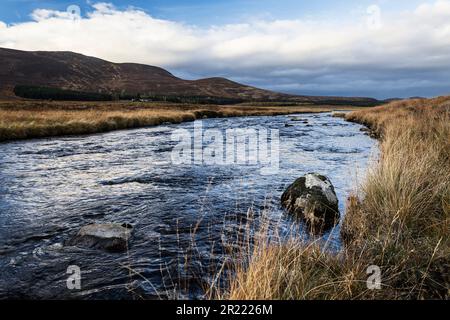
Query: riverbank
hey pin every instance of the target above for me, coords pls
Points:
(33, 119)
(398, 223)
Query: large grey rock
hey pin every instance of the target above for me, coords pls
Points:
(313, 199)
(109, 237)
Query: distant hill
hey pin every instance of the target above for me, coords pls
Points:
(77, 72)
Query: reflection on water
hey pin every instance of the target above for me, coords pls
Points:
(49, 188)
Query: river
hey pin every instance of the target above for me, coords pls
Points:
(50, 188)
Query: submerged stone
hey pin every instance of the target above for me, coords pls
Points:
(109, 237)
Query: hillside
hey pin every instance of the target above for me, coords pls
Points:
(72, 71)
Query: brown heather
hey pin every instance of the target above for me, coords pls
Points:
(31, 119)
(399, 221)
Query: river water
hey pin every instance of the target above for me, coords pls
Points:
(50, 188)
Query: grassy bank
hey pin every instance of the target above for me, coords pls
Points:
(30, 119)
(399, 221)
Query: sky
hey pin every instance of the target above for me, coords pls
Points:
(375, 48)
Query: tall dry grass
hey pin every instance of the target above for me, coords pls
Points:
(400, 222)
(28, 119)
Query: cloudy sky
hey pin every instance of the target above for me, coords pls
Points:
(378, 48)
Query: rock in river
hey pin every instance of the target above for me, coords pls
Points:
(313, 199)
(109, 237)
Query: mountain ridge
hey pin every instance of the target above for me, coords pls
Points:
(74, 71)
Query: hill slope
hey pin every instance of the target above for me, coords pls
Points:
(72, 71)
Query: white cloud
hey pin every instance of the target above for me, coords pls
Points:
(44, 14)
(291, 53)
(104, 8)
